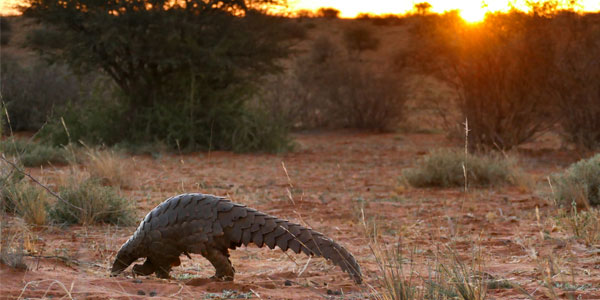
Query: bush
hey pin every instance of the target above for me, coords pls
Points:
(89, 202)
(579, 184)
(576, 82)
(32, 154)
(95, 121)
(444, 168)
(360, 38)
(5, 31)
(501, 70)
(41, 86)
(336, 91)
(328, 12)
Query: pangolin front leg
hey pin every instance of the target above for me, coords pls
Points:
(210, 225)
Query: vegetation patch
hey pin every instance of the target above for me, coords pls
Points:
(579, 184)
(448, 167)
(89, 202)
(33, 154)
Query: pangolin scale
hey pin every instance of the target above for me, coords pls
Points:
(210, 226)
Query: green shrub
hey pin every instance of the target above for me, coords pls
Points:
(32, 154)
(184, 73)
(579, 184)
(444, 168)
(88, 202)
(95, 121)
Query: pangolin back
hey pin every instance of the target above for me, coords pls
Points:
(197, 223)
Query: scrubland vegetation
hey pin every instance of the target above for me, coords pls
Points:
(139, 86)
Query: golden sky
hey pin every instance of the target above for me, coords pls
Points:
(472, 10)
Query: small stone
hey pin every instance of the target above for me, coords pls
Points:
(152, 293)
(288, 283)
(137, 281)
(141, 293)
(330, 292)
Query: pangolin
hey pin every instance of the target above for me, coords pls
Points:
(210, 226)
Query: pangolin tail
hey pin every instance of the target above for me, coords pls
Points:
(244, 225)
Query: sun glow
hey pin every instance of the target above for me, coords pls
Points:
(470, 10)
(472, 14)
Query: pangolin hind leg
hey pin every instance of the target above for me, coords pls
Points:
(220, 260)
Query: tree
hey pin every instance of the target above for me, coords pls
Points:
(422, 8)
(196, 56)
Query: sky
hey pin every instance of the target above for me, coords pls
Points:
(470, 9)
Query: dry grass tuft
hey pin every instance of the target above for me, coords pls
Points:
(391, 280)
(28, 202)
(15, 239)
(457, 280)
(109, 168)
(584, 225)
(21, 197)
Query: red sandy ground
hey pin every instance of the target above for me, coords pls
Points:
(331, 176)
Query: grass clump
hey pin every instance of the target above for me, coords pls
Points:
(579, 184)
(28, 202)
(109, 168)
(394, 282)
(444, 168)
(457, 280)
(584, 225)
(32, 154)
(89, 202)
